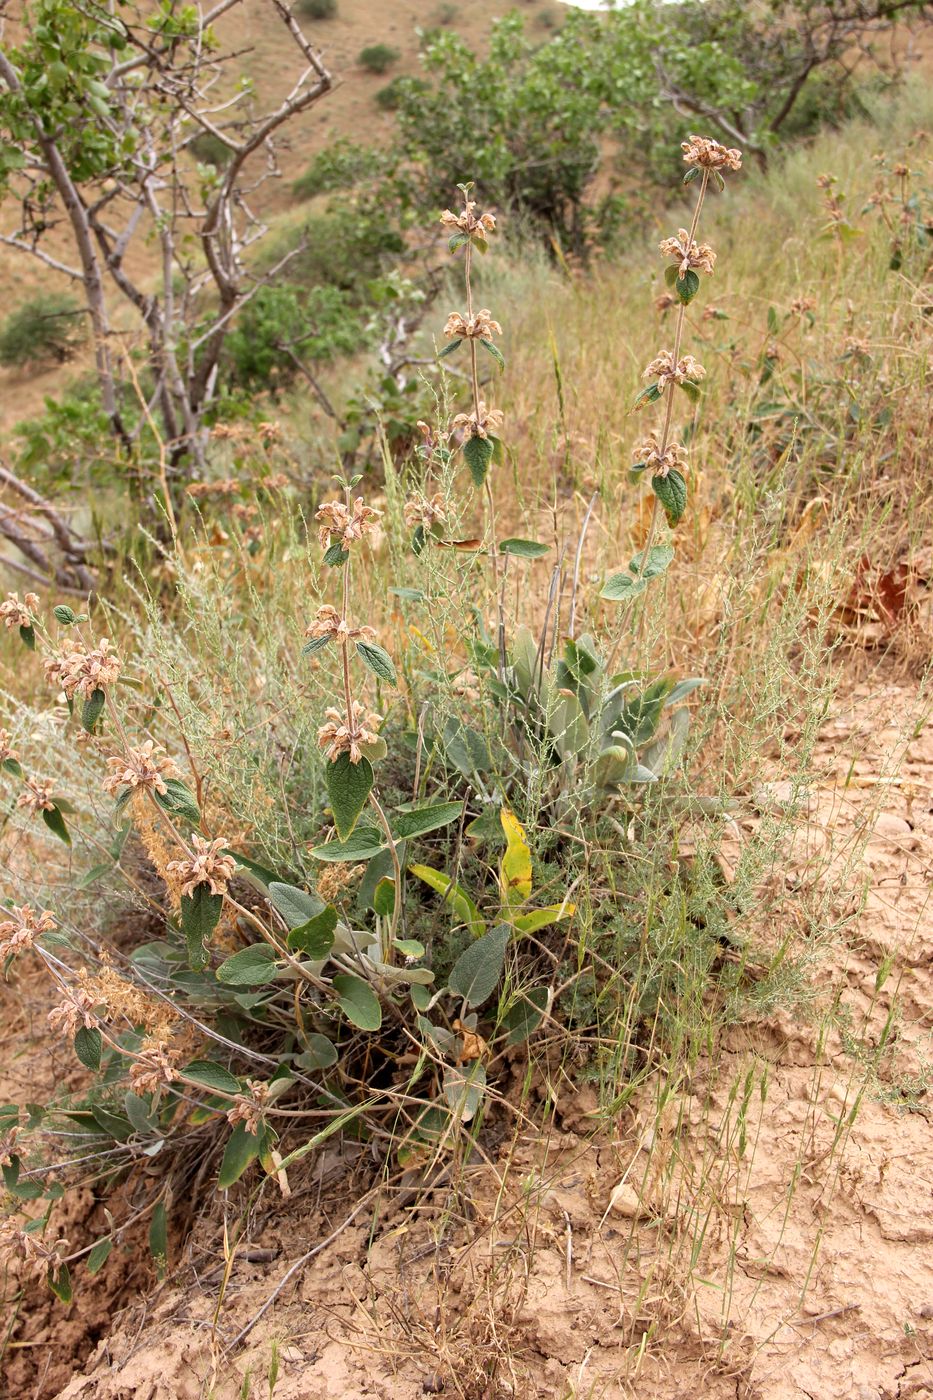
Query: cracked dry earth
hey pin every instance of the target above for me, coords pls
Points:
(776, 1242)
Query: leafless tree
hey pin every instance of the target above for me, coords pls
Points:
(110, 157)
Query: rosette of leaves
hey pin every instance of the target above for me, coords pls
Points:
(601, 732)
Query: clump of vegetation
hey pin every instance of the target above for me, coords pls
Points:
(378, 58)
(319, 9)
(273, 978)
(210, 149)
(47, 329)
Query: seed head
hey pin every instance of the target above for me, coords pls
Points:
(340, 735)
(660, 463)
(206, 866)
(334, 880)
(79, 671)
(247, 1109)
(20, 932)
(421, 511)
(7, 754)
(29, 1247)
(663, 369)
(36, 796)
(687, 253)
(703, 151)
(155, 1068)
(17, 614)
(328, 623)
(478, 327)
(78, 1006)
(467, 222)
(342, 524)
(143, 768)
(479, 424)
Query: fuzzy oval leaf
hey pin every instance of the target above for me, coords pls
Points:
(424, 819)
(335, 555)
(384, 897)
(524, 549)
(366, 842)
(687, 286)
(158, 1238)
(671, 491)
(89, 1044)
(99, 1256)
(348, 788)
(376, 659)
(56, 824)
(659, 559)
(92, 709)
(209, 1075)
(60, 1282)
(620, 588)
(200, 915)
(464, 1087)
(476, 973)
(179, 800)
(522, 1019)
(296, 906)
(315, 938)
(320, 1053)
(242, 1148)
(477, 453)
(495, 352)
(250, 967)
(358, 1002)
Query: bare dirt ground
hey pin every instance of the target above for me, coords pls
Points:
(561, 1265)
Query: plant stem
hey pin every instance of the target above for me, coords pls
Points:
(669, 407)
(498, 577)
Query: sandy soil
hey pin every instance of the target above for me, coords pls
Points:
(561, 1265)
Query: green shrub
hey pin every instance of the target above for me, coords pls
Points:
(316, 325)
(48, 328)
(318, 9)
(390, 97)
(378, 58)
(341, 166)
(208, 149)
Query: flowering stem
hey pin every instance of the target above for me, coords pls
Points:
(498, 587)
(373, 800)
(669, 407)
(668, 410)
(397, 873)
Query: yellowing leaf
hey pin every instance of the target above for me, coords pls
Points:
(515, 871)
(542, 918)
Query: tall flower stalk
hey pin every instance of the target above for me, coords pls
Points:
(350, 736)
(469, 231)
(660, 454)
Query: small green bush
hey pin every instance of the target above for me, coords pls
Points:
(318, 9)
(208, 149)
(317, 326)
(378, 58)
(390, 97)
(47, 328)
